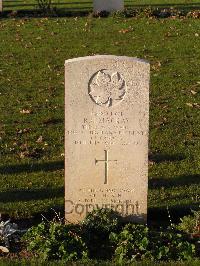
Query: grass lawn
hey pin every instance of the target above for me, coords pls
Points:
(33, 51)
(35, 262)
(92, 263)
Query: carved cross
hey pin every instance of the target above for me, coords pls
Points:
(106, 165)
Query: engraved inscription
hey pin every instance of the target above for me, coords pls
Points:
(106, 136)
(106, 165)
(107, 88)
(119, 199)
(115, 129)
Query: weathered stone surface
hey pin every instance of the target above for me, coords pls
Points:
(108, 5)
(1, 5)
(106, 136)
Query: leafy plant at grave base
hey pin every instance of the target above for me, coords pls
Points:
(149, 12)
(102, 14)
(131, 243)
(127, 13)
(102, 221)
(9, 234)
(54, 240)
(190, 223)
(96, 229)
(101, 235)
(171, 245)
(193, 14)
(136, 242)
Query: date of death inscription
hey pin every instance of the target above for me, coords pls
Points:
(110, 129)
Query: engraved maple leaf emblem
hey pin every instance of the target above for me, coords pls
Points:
(107, 89)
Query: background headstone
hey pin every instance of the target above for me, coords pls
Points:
(1, 5)
(108, 5)
(106, 136)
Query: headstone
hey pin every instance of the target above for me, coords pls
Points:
(106, 136)
(1, 5)
(108, 5)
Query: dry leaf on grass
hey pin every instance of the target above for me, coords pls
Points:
(40, 139)
(4, 249)
(26, 111)
(193, 92)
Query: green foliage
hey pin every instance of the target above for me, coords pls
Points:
(131, 242)
(189, 223)
(102, 221)
(97, 226)
(53, 241)
(170, 245)
(102, 236)
(136, 242)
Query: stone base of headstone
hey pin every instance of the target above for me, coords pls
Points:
(108, 5)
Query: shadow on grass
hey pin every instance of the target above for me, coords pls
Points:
(8, 4)
(160, 216)
(40, 14)
(35, 167)
(161, 157)
(174, 182)
(31, 194)
(184, 6)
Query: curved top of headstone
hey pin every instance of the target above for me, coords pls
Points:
(114, 57)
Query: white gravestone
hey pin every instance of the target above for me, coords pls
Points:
(1, 5)
(108, 5)
(106, 136)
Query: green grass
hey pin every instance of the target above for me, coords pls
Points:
(32, 58)
(35, 262)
